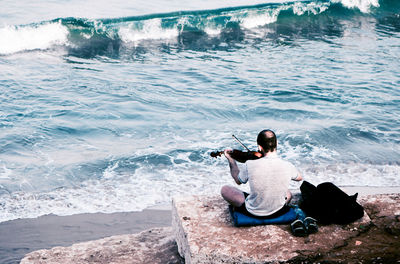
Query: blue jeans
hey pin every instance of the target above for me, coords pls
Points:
(300, 215)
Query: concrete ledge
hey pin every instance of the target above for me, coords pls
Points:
(205, 233)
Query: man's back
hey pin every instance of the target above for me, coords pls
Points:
(269, 179)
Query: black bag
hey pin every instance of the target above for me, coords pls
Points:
(328, 204)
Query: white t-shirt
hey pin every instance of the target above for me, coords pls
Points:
(269, 178)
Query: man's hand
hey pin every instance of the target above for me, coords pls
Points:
(227, 153)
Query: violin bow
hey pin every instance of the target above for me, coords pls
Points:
(240, 142)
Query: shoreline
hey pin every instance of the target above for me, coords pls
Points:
(22, 236)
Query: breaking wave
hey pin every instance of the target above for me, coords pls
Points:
(85, 37)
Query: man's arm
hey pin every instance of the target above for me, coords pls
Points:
(233, 167)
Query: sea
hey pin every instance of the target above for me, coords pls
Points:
(115, 106)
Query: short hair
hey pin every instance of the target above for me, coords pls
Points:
(267, 140)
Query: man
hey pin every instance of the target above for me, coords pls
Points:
(269, 179)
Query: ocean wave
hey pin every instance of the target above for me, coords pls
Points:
(116, 192)
(151, 29)
(363, 5)
(34, 37)
(93, 37)
(76, 182)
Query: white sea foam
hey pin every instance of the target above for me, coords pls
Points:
(363, 5)
(151, 29)
(258, 20)
(112, 194)
(109, 172)
(314, 8)
(148, 187)
(354, 174)
(15, 39)
(212, 31)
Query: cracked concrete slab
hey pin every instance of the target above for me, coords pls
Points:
(205, 234)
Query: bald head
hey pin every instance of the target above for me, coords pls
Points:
(267, 140)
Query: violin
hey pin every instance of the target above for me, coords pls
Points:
(238, 155)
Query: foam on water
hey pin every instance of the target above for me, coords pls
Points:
(313, 8)
(151, 29)
(46, 35)
(363, 5)
(148, 178)
(257, 20)
(116, 192)
(16, 39)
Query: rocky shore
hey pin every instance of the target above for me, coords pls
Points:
(205, 234)
(155, 245)
(22, 236)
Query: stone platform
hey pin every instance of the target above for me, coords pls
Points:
(204, 233)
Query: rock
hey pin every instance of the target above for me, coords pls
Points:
(150, 246)
(205, 233)
(384, 209)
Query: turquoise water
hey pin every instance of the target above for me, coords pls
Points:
(116, 107)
